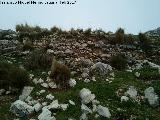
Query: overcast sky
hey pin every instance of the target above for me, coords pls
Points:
(132, 15)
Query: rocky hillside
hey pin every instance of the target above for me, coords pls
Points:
(94, 75)
(154, 33)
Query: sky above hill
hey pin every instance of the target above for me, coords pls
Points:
(133, 15)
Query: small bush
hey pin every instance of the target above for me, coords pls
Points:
(149, 74)
(119, 62)
(119, 36)
(60, 74)
(88, 32)
(28, 46)
(38, 59)
(12, 76)
(145, 43)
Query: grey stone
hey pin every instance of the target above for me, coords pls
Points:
(152, 97)
(21, 109)
(103, 111)
(46, 115)
(25, 93)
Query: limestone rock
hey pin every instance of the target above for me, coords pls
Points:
(25, 93)
(103, 111)
(50, 97)
(132, 92)
(46, 115)
(52, 85)
(101, 68)
(71, 102)
(21, 109)
(86, 96)
(152, 97)
(124, 98)
(37, 107)
(72, 82)
(85, 109)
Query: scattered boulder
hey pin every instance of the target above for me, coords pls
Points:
(46, 115)
(63, 106)
(103, 111)
(152, 97)
(124, 98)
(21, 109)
(53, 105)
(25, 93)
(86, 96)
(137, 74)
(100, 68)
(52, 85)
(72, 82)
(45, 85)
(132, 92)
(83, 117)
(37, 107)
(85, 109)
(50, 97)
(71, 102)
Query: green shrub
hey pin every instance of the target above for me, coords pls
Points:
(38, 59)
(129, 39)
(145, 43)
(88, 32)
(120, 36)
(60, 74)
(119, 62)
(27, 28)
(28, 46)
(147, 73)
(12, 76)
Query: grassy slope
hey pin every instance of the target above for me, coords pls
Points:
(105, 93)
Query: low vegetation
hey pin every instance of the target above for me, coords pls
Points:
(60, 74)
(119, 62)
(38, 59)
(12, 76)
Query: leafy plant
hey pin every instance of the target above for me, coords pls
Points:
(145, 43)
(12, 76)
(119, 62)
(38, 59)
(60, 74)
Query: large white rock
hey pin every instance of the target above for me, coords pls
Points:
(132, 92)
(21, 109)
(46, 115)
(37, 107)
(25, 93)
(45, 85)
(102, 68)
(124, 98)
(72, 82)
(137, 74)
(54, 105)
(151, 96)
(71, 102)
(52, 85)
(63, 106)
(103, 111)
(42, 91)
(85, 109)
(50, 97)
(86, 96)
(83, 117)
